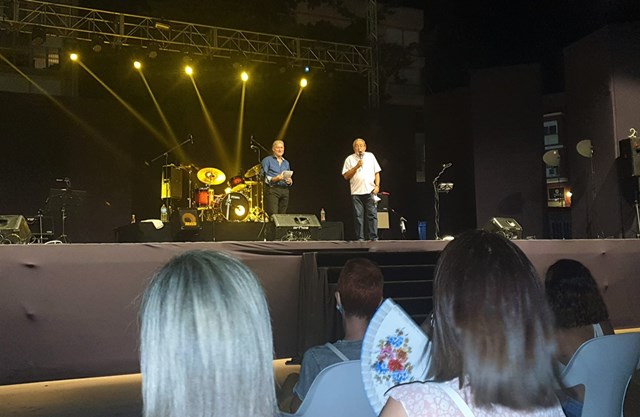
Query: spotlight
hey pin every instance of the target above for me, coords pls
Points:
(303, 83)
(73, 56)
(162, 26)
(307, 69)
(244, 76)
(96, 44)
(137, 64)
(188, 70)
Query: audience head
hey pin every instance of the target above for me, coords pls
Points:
(359, 289)
(206, 347)
(492, 326)
(574, 295)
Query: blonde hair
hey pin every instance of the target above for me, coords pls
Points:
(205, 344)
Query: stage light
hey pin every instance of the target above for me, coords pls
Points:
(188, 70)
(303, 83)
(162, 26)
(73, 56)
(244, 76)
(307, 69)
(137, 64)
(96, 43)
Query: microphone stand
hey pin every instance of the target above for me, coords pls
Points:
(165, 169)
(403, 224)
(257, 146)
(436, 200)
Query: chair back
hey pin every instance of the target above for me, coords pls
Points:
(604, 366)
(337, 391)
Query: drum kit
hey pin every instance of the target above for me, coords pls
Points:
(241, 201)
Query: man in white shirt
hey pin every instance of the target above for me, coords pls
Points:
(362, 170)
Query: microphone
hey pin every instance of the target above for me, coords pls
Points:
(191, 138)
(254, 147)
(447, 165)
(402, 219)
(251, 138)
(360, 155)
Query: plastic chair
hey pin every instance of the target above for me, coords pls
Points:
(337, 391)
(604, 366)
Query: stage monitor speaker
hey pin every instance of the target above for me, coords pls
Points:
(505, 226)
(630, 157)
(188, 219)
(295, 226)
(14, 229)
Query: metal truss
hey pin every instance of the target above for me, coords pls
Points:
(373, 74)
(125, 30)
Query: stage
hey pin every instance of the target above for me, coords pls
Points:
(70, 310)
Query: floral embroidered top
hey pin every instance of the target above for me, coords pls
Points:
(428, 399)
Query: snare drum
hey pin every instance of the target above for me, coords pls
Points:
(234, 207)
(236, 183)
(204, 198)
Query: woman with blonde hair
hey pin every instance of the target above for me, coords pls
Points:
(206, 346)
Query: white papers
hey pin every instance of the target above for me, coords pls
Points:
(287, 174)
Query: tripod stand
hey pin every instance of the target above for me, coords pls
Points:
(64, 200)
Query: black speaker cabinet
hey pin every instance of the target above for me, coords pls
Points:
(14, 229)
(505, 226)
(630, 157)
(295, 226)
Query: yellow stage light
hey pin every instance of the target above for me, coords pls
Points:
(137, 64)
(244, 76)
(303, 83)
(188, 70)
(73, 56)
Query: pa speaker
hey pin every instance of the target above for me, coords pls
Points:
(630, 157)
(295, 226)
(505, 226)
(14, 229)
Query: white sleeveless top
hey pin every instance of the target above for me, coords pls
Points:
(431, 399)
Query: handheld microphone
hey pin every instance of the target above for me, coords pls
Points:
(254, 147)
(360, 155)
(191, 138)
(447, 165)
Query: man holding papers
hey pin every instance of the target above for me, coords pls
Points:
(278, 178)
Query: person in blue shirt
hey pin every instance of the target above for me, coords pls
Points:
(276, 190)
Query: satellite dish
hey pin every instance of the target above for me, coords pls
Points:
(585, 148)
(551, 158)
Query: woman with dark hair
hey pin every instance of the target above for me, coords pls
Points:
(579, 310)
(492, 340)
(580, 314)
(206, 347)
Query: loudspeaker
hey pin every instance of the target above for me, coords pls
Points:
(505, 226)
(630, 157)
(171, 186)
(14, 229)
(295, 226)
(187, 219)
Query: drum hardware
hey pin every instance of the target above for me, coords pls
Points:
(211, 176)
(253, 171)
(236, 184)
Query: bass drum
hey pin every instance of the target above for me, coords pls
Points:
(234, 207)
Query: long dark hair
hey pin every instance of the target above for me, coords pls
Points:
(492, 326)
(573, 295)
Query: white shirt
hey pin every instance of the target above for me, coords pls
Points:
(364, 180)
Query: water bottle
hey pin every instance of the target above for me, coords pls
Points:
(164, 214)
(322, 215)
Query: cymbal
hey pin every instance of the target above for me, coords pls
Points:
(253, 171)
(212, 176)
